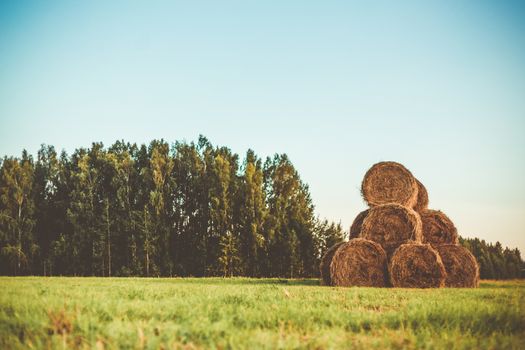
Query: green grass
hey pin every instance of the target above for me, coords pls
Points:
(134, 313)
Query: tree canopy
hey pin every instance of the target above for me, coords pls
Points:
(181, 209)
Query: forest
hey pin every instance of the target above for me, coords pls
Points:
(495, 262)
(181, 209)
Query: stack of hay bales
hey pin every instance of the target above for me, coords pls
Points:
(398, 241)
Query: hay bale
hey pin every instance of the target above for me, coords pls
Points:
(324, 266)
(391, 225)
(389, 182)
(416, 265)
(359, 262)
(461, 266)
(438, 228)
(422, 197)
(355, 229)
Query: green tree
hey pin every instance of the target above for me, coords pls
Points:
(222, 168)
(291, 246)
(126, 210)
(326, 235)
(251, 206)
(229, 255)
(16, 212)
(85, 209)
(186, 210)
(49, 213)
(160, 168)
(191, 208)
(495, 262)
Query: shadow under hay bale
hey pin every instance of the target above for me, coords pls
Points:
(438, 228)
(422, 197)
(326, 260)
(416, 265)
(391, 225)
(389, 182)
(355, 229)
(359, 262)
(461, 266)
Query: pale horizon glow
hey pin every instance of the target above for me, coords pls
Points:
(438, 86)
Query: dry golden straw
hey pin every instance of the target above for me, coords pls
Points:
(391, 225)
(422, 197)
(355, 229)
(359, 262)
(416, 265)
(438, 228)
(461, 266)
(326, 260)
(389, 182)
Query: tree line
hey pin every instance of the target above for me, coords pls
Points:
(494, 261)
(185, 209)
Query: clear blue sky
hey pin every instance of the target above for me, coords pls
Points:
(338, 86)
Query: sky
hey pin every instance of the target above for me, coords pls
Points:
(337, 85)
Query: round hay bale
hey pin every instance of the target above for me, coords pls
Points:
(389, 182)
(417, 265)
(391, 225)
(324, 266)
(461, 266)
(355, 229)
(359, 262)
(422, 197)
(438, 228)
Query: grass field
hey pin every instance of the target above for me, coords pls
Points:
(135, 313)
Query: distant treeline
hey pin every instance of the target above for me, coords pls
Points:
(186, 209)
(494, 261)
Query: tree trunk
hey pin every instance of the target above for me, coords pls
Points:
(19, 250)
(93, 257)
(133, 244)
(146, 241)
(147, 263)
(109, 238)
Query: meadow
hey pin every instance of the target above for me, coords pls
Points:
(191, 313)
